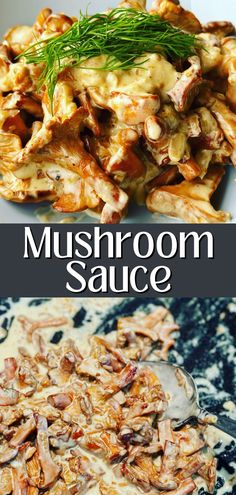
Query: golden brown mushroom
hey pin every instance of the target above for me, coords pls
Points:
(190, 201)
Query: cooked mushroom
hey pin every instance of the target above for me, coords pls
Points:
(113, 410)
(49, 468)
(189, 200)
(60, 401)
(8, 455)
(187, 87)
(23, 432)
(8, 396)
(171, 11)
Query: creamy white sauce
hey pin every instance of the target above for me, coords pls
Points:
(156, 75)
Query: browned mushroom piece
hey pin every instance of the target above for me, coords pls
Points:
(129, 109)
(41, 19)
(13, 76)
(224, 154)
(187, 87)
(92, 119)
(137, 476)
(7, 455)
(6, 484)
(210, 52)
(56, 24)
(225, 117)
(60, 401)
(20, 482)
(211, 136)
(33, 468)
(219, 28)
(168, 175)
(8, 396)
(21, 101)
(168, 467)
(190, 200)
(10, 367)
(30, 326)
(208, 472)
(23, 432)
(228, 68)
(172, 12)
(107, 489)
(49, 468)
(116, 152)
(19, 38)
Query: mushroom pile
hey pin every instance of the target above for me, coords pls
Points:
(73, 424)
(159, 134)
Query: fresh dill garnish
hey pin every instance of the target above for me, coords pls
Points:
(123, 35)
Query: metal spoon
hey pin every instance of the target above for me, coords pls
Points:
(183, 399)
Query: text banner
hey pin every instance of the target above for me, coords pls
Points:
(93, 260)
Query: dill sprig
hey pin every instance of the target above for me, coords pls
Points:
(123, 35)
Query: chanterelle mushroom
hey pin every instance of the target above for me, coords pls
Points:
(104, 137)
(49, 468)
(189, 200)
(87, 417)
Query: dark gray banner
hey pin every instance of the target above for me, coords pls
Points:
(88, 260)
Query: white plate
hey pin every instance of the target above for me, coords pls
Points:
(25, 11)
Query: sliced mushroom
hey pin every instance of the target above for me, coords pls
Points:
(137, 476)
(103, 487)
(8, 455)
(211, 136)
(19, 38)
(57, 24)
(114, 450)
(190, 200)
(8, 396)
(20, 482)
(210, 52)
(60, 401)
(49, 468)
(6, 485)
(33, 467)
(208, 473)
(30, 326)
(22, 101)
(226, 119)
(172, 12)
(10, 367)
(219, 28)
(228, 68)
(187, 87)
(22, 432)
(129, 109)
(168, 467)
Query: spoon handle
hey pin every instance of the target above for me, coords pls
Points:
(223, 423)
(227, 425)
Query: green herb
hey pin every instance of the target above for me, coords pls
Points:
(123, 35)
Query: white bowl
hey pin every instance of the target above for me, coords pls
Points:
(25, 11)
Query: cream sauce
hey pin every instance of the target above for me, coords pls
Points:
(156, 75)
